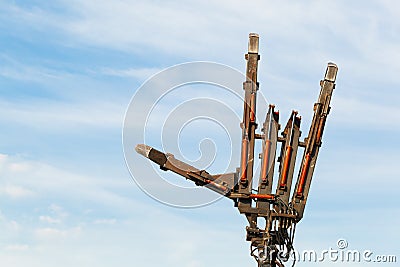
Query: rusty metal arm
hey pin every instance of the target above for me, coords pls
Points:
(270, 132)
(222, 183)
(249, 125)
(281, 216)
(291, 135)
(313, 141)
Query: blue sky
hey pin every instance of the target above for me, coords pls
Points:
(68, 70)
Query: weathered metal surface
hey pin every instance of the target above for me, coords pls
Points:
(280, 215)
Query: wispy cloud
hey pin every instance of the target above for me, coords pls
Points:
(16, 191)
(138, 73)
(17, 247)
(56, 234)
(49, 219)
(44, 203)
(40, 179)
(27, 73)
(361, 114)
(105, 221)
(57, 116)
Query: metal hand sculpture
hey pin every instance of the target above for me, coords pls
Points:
(273, 244)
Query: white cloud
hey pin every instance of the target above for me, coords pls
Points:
(61, 116)
(297, 38)
(360, 37)
(13, 69)
(13, 226)
(135, 240)
(105, 221)
(360, 114)
(45, 180)
(73, 100)
(138, 73)
(49, 219)
(17, 247)
(15, 191)
(57, 234)
(184, 29)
